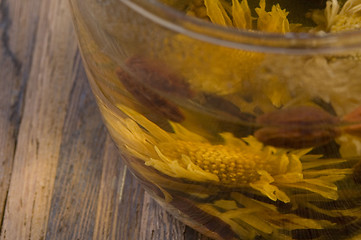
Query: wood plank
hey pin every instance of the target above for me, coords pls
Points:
(16, 51)
(157, 224)
(79, 171)
(114, 173)
(39, 138)
(129, 209)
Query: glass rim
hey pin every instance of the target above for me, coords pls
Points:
(289, 43)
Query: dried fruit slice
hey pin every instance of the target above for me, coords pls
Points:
(353, 120)
(297, 127)
(145, 80)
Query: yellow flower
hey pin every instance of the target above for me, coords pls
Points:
(275, 21)
(349, 18)
(217, 13)
(300, 76)
(336, 19)
(235, 163)
(249, 218)
(210, 68)
(221, 70)
(224, 71)
(239, 15)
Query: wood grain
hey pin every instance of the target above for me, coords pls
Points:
(112, 183)
(15, 62)
(39, 138)
(79, 167)
(61, 176)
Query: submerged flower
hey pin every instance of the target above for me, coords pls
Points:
(238, 14)
(226, 71)
(334, 80)
(217, 13)
(349, 18)
(275, 21)
(250, 218)
(215, 69)
(222, 70)
(241, 13)
(337, 19)
(235, 163)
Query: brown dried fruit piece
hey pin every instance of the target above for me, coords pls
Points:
(158, 76)
(353, 121)
(143, 79)
(297, 127)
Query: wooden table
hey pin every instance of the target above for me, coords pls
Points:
(60, 174)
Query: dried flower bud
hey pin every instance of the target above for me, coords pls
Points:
(353, 121)
(297, 127)
(145, 80)
(157, 76)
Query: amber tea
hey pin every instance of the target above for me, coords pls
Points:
(241, 118)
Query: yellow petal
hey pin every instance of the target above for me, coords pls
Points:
(241, 14)
(226, 204)
(257, 222)
(275, 21)
(217, 13)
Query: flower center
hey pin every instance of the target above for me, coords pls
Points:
(232, 165)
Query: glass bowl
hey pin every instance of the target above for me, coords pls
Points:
(239, 134)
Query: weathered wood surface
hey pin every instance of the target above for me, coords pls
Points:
(60, 174)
